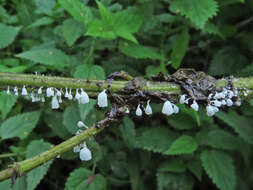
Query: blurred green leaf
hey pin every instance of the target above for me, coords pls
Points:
(172, 165)
(220, 168)
(127, 130)
(180, 47)
(36, 175)
(241, 124)
(139, 51)
(46, 56)
(41, 22)
(7, 34)
(20, 125)
(19, 184)
(195, 167)
(197, 11)
(78, 10)
(156, 139)
(85, 109)
(83, 178)
(86, 71)
(70, 118)
(6, 103)
(44, 7)
(182, 145)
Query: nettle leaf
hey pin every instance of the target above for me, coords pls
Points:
(180, 47)
(36, 175)
(182, 121)
(7, 34)
(122, 24)
(70, 118)
(20, 125)
(172, 165)
(78, 10)
(19, 184)
(83, 178)
(197, 11)
(85, 109)
(195, 167)
(220, 168)
(46, 56)
(72, 30)
(139, 51)
(183, 145)
(127, 130)
(218, 138)
(156, 139)
(174, 181)
(45, 6)
(41, 22)
(6, 103)
(227, 60)
(242, 125)
(87, 71)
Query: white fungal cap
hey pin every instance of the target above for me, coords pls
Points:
(66, 93)
(77, 96)
(102, 99)
(210, 96)
(59, 99)
(210, 110)
(217, 103)
(8, 90)
(167, 108)
(85, 154)
(15, 91)
(33, 97)
(218, 95)
(42, 99)
(138, 111)
(49, 92)
(223, 102)
(24, 91)
(127, 111)
(70, 97)
(182, 99)
(84, 99)
(55, 103)
(148, 109)
(229, 102)
(238, 103)
(78, 132)
(58, 93)
(40, 90)
(77, 148)
(195, 106)
(81, 124)
(175, 108)
(230, 94)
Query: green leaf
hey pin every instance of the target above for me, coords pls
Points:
(195, 167)
(70, 118)
(242, 125)
(72, 30)
(180, 47)
(78, 180)
(227, 60)
(139, 51)
(36, 175)
(182, 121)
(174, 181)
(220, 168)
(156, 139)
(78, 10)
(183, 145)
(85, 109)
(41, 22)
(46, 56)
(20, 125)
(218, 138)
(127, 130)
(45, 6)
(20, 184)
(105, 14)
(197, 11)
(54, 120)
(172, 165)
(7, 34)
(87, 71)
(6, 103)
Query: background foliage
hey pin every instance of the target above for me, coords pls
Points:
(89, 39)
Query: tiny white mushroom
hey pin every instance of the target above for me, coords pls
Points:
(66, 95)
(84, 99)
(102, 99)
(24, 91)
(85, 154)
(76, 148)
(210, 110)
(77, 96)
(238, 103)
(182, 99)
(40, 90)
(70, 97)
(80, 124)
(216, 103)
(15, 91)
(138, 111)
(195, 106)
(55, 103)
(148, 109)
(229, 102)
(175, 108)
(8, 90)
(167, 108)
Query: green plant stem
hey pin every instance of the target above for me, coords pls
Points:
(22, 167)
(6, 155)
